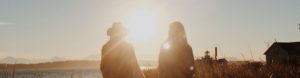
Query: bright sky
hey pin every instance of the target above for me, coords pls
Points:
(77, 28)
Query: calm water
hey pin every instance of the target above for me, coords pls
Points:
(56, 73)
(53, 74)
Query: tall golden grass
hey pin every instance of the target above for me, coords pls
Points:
(238, 70)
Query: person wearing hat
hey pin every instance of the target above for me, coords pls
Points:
(118, 57)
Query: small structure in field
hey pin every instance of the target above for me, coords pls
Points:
(207, 59)
(283, 53)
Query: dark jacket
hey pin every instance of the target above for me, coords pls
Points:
(177, 61)
(119, 60)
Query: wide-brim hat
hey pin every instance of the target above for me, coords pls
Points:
(117, 29)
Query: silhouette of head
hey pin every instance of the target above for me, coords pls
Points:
(117, 31)
(177, 31)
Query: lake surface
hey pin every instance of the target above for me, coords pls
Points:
(53, 74)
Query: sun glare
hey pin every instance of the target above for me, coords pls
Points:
(166, 45)
(141, 25)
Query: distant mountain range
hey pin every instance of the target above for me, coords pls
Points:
(60, 65)
(65, 65)
(92, 57)
(13, 60)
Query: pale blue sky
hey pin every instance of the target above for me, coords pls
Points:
(77, 28)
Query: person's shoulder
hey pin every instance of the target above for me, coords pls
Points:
(105, 46)
(165, 42)
(165, 45)
(106, 43)
(189, 47)
(127, 43)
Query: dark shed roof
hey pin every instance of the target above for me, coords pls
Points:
(290, 47)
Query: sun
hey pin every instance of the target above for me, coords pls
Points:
(142, 25)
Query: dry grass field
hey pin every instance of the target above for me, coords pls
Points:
(239, 70)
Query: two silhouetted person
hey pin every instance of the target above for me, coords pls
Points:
(176, 58)
(118, 57)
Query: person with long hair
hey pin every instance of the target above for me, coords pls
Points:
(118, 57)
(176, 58)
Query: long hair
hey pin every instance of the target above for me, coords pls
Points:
(177, 33)
(176, 55)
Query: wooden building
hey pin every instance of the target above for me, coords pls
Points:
(283, 53)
